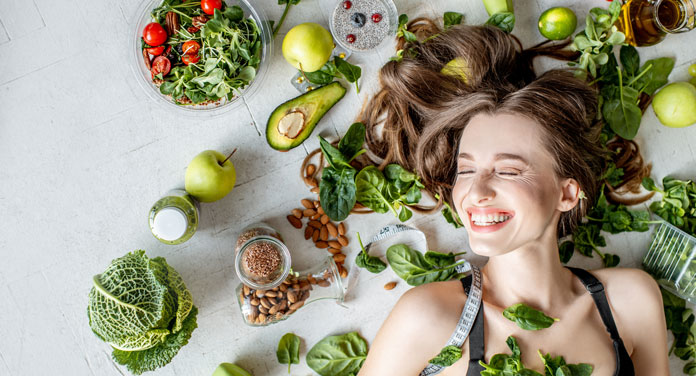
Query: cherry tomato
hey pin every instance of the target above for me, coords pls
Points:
(190, 59)
(155, 51)
(209, 6)
(154, 34)
(160, 65)
(191, 48)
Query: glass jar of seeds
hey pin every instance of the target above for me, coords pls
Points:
(261, 307)
(253, 230)
(262, 262)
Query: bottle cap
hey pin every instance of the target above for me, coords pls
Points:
(169, 224)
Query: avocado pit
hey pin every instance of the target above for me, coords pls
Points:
(292, 124)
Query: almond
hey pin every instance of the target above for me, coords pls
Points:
(320, 210)
(324, 283)
(311, 169)
(324, 219)
(333, 251)
(307, 203)
(343, 240)
(315, 190)
(335, 244)
(292, 296)
(294, 221)
(271, 294)
(309, 212)
(342, 271)
(324, 233)
(308, 231)
(316, 216)
(313, 182)
(339, 257)
(321, 244)
(316, 204)
(315, 224)
(297, 213)
(246, 289)
(333, 231)
(341, 228)
(261, 318)
(295, 306)
(390, 285)
(315, 234)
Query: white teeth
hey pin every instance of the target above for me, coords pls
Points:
(488, 220)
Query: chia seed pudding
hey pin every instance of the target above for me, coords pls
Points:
(361, 25)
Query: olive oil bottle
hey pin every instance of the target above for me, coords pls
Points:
(647, 22)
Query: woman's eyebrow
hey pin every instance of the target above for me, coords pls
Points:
(498, 157)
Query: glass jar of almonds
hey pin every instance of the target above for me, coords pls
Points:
(261, 307)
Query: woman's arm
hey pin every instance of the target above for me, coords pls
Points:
(413, 333)
(638, 303)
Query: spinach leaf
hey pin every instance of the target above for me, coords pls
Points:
(405, 214)
(629, 59)
(452, 19)
(373, 264)
(288, 351)
(527, 317)
(505, 21)
(333, 156)
(622, 113)
(395, 172)
(440, 260)
(370, 185)
(341, 355)
(411, 266)
(337, 192)
(349, 71)
(447, 356)
(657, 74)
(351, 145)
(565, 251)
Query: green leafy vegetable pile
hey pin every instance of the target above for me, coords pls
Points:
(336, 68)
(527, 317)
(142, 308)
(230, 54)
(680, 321)
(504, 364)
(341, 355)
(342, 185)
(678, 205)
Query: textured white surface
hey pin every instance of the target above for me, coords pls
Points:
(80, 142)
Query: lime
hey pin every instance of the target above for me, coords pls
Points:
(557, 23)
(692, 70)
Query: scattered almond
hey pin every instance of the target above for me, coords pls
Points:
(311, 169)
(315, 224)
(335, 244)
(313, 182)
(321, 244)
(324, 233)
(334, 251)
(315, 234)
(308, 232)
(316, 204)
(333, 231)
(324, 219)
(341, 228)
(309, 212)
(339, 257)
(342, 271)
(390, 285)
(297, 213)
(320, 210)
(294, 221)
(316, 216)
(343, 240)
(307, 203)
(315, 190)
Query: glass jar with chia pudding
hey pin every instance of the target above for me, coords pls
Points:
(362, 25)
(265, 306)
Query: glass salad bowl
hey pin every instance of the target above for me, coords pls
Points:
(231, 89)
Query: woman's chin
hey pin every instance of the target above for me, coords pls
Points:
(487, 249)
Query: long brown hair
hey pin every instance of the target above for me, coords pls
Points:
(417, 117)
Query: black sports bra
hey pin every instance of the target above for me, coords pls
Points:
(624, 364)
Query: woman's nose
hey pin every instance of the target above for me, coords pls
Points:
(481, 190)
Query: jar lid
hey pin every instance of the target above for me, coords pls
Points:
(169, 224)
(263, 262)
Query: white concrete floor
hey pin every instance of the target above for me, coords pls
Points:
(85, 153)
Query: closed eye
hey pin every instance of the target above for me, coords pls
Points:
(508, 173)
(465, 172)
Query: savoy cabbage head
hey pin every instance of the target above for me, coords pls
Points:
(142, 308)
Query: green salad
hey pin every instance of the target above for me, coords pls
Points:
(201, 52)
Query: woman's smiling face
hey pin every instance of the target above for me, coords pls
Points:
(506, 191)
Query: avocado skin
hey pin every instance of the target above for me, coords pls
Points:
(314, 104)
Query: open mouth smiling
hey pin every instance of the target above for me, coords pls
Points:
(488, 219)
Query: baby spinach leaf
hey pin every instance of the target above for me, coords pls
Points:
(660, 69)
(337, 192)
(373, 264)
(370, 185)
(452, 19)
(440, 260)
(349, 71)
(447, 356)
(405, 214)
(413, 267)
(395, 172)
(333, 156)
(351, 145)
(341, 355)
(505, 21)
(527, 317)
(629, 59)
(288, 351)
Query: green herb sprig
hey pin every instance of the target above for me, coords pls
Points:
(598, 38)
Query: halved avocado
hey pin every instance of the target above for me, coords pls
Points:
(293, 121)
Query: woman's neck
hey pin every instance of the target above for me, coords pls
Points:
(532, 274)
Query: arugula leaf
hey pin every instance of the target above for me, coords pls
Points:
(288, 351)
(337, 192)
(505, 21)
(527, 317)
(447, 356)
(373, 264)
(452, 19)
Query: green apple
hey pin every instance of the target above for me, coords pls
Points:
(497, 6)
(229, 369)
(675, 105)
(308, 46)
(210, 176)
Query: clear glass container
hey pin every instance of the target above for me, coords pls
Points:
(354, 27)
(647, 22)
(671, 259)
(253, 230)
(263, 262)
(174, 218)
(142, 17)
(261, 307)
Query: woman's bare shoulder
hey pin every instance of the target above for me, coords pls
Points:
(424, 302)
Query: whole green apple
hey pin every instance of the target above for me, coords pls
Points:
(675, 105)
(229, 369)
(308, 46)
(210, 176)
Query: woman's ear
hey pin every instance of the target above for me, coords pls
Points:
(570, 194)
